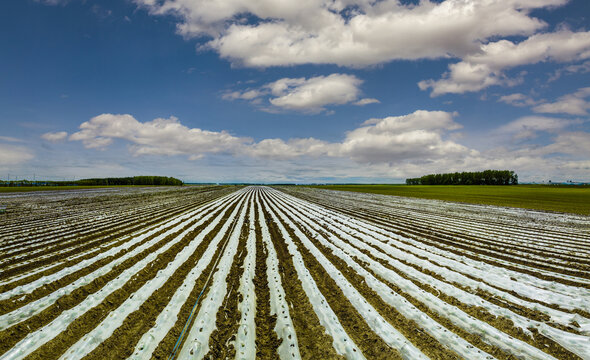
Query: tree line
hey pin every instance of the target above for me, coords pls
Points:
(135, 180)
(486, 177)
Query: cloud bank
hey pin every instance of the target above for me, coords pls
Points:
(347, 33)
(487, 66)
(406, 145)
(361, 33)
(418, 137)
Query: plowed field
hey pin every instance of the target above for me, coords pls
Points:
(288, 273)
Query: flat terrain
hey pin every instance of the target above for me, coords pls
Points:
(11, 189)
(570, 199)
(287, 273)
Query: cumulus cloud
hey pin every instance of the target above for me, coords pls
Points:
(156, 137)
(347, 33)
(486, 67)
(55, 136)
(396, 146)
(416, 137)
(528, 127)
(310, 95)
(13, 155)
(315, 93)
(419, 136)
(573, 104)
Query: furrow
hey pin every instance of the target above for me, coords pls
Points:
(196, 344)
(342, 342)
(275, 308)
(109, 293)
(116, 318)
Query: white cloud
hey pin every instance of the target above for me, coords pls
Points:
(573, 143)
(310, 95)
(278, 149)
(315, 93)
(571, 69)
(518, 99)
(245, 95)
(348, 32)
(156, 137)
(486, 67)
(416, 137)
(392, 147)
(55, 136)
(366, 101)
(53, 2)
(573, 104)
(9, 139)
(527, 127)
(582, 165)
(13, 155)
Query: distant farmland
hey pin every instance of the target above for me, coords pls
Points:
(290, 273)
(570, 198)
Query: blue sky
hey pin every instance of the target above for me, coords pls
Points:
(297, 91)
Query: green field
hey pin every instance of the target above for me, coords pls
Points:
(570, 199)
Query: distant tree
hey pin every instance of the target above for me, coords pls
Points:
(486, 177)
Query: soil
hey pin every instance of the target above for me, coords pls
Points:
(311, 335)
(57, 226)
(267, 341)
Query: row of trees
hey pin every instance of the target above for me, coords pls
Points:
(487, 177)
(135, 180)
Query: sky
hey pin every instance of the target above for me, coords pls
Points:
(294, 91)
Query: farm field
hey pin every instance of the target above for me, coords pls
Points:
(13, 189)
(287, 272)
(565, 198)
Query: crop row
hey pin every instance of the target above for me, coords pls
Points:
(301, 273)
